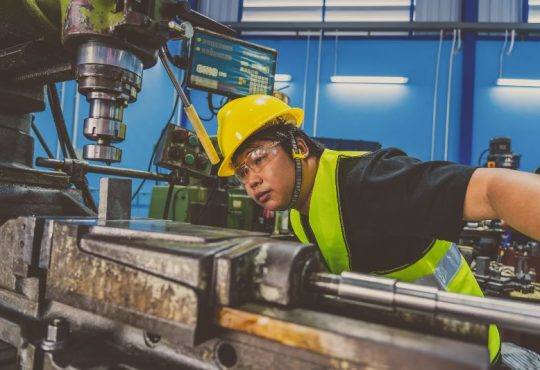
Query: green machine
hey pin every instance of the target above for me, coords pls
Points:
(196, 204)
(204, 200)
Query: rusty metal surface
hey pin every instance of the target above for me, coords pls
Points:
(119, 291)
(10, 332)
(183, 261)
(353, 341)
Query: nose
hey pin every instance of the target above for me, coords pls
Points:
(253, 179)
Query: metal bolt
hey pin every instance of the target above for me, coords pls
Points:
(57, 334)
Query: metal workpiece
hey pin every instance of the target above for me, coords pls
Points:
(263, 270)
(114, 199)
(385, 292)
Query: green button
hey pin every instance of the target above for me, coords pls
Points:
(192, 140)
(189, 158)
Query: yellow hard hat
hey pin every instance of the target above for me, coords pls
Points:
(240, 118)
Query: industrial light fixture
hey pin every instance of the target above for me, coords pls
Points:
(282, 78)
(370, 79)
(518, 82)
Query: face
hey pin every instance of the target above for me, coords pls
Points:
(267, 172)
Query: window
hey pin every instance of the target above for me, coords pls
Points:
(282, 10)
(367, 10)
(534, 11)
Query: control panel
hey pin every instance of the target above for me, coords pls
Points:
(180, 148)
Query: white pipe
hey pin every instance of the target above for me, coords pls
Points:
(75, 119)
(449, 97)
(318, 85)
(435, 94)
(336, 54)
(501, 56)
(306, 68)
(512, 40)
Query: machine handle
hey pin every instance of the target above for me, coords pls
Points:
(195, 121)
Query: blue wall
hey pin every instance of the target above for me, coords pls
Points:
(508, 111)
(399, 115)
(395, 115)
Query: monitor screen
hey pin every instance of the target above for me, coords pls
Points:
(229, 66)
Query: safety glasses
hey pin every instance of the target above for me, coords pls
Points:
(255, 161)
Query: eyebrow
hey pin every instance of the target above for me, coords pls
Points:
(249, 148)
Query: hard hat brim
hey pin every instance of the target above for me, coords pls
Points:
(226, 168)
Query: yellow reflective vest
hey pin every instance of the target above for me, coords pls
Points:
(441, 266)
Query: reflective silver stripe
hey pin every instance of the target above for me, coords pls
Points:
(445, 271)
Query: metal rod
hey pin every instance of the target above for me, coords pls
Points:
(172, 77)
(191, 113)
(385, 292)
(388, 26)
(41, 139)
(68, 165)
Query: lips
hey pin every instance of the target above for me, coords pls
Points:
(263, 196)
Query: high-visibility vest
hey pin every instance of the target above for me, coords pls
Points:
(441, 266)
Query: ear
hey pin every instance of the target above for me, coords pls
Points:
(303, 148)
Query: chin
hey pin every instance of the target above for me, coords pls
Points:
(272, 206)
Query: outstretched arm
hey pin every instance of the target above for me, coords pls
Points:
(513, 196)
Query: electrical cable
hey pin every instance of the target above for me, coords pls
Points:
(317, 87)
(59, 121)
(435, 95)
(213, 109)
(481, 155)
(501, 55)
(306, 70)
(67, 147)
(170, 191)
(512, 41)
(41, 140)
(155, 147)
(449, 96)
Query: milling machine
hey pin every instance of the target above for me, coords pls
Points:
(87, 290)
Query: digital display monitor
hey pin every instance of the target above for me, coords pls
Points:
(229, 66)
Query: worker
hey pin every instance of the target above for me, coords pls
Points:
(383, 212)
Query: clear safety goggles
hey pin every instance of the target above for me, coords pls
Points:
(255, 161)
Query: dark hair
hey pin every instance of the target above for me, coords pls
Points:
(281, 132)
